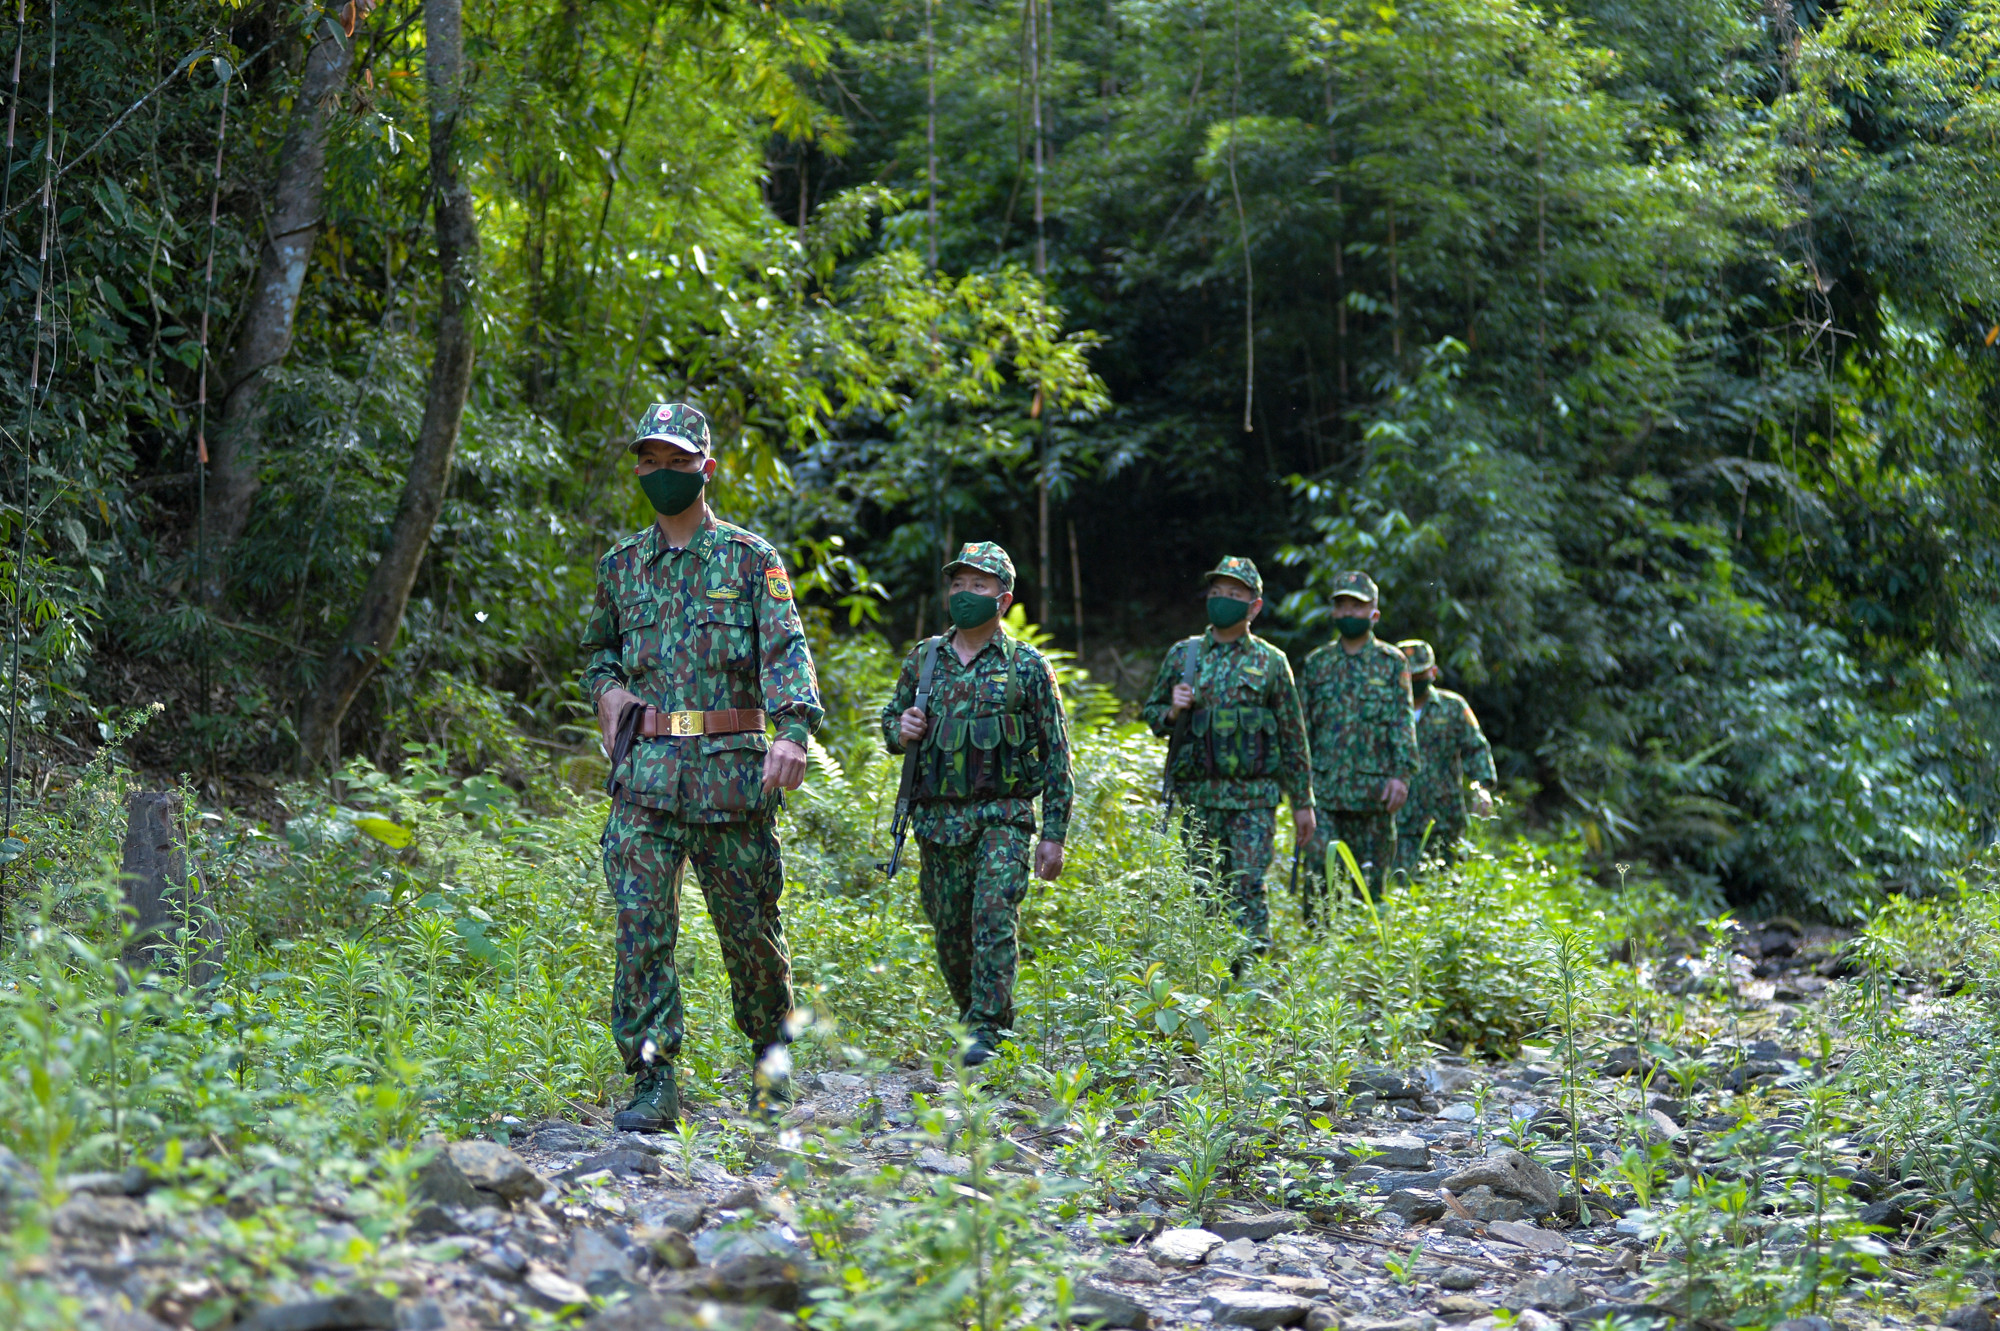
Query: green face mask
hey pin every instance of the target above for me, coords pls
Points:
(672, 492)
(1226, 611)
(1352, 626)
(969, 609)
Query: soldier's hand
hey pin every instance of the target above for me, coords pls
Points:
(784, 766)
(1183, 699)
(1482, 801)
(1394, 792)
(910, 727)
(609, 705)
(1304, 822)
(1048, 860)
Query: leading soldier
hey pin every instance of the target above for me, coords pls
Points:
(993, 739)
(1364, 749)
(1450, 748)
(1244, 745)
(695, 645)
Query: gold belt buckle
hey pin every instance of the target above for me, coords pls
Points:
(684, 723)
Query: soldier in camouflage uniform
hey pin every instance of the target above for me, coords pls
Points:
(1245, 744)
(695, 645)
(994, 738)
(1364, 748)
(1450, 748)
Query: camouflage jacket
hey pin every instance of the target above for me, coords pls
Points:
(701, 629)
(981, 687)
(1246, 677)
(1451, 750)
(1358, 718)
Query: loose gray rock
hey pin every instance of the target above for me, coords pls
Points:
(1137, 1270)
(345, 1312)
(1527, 1236)
(1100, 1304)
(1414, 1205)
(933, 1161)
(759, 1278)
(1258, 1228)
(1413, 1322)
(1183, 1247)
(684, 1211)
(1803, 1324)
(1550, 1293)
(562, 1137)
(1402, 1151)
(653, 1312)
(1321, 1318)
(1235, 1250)
(1508, 1173)
(622, 1162)
(1459, 1278)
(1635, 1312)
(1482, 1203)
(1255, 1307)
(493, 1167)
(1391, 1180)
(1459, 1113)
(593, 1257)
(1981, 1316)
(423, 1315)
(119, 1320)
(443, 1183)
(1384, 1084)
(90, 1216)
(553, 1291)
(1462, 1307)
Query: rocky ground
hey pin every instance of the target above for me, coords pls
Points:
(633, 1232)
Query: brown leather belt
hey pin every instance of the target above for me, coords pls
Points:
(729, 721)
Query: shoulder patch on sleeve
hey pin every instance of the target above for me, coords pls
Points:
(777, 584)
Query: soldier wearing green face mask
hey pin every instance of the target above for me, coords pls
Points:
(695, 647)
(1364, 748)
(993, 738)
(1244, 747)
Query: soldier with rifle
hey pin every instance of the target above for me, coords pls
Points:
(978, 718)
(695, 647)
(1450, 749)
(1238, 745)
(1364, 748)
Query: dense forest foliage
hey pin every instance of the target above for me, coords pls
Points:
(1643, 351)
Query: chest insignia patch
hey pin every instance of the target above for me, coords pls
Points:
(777, 584)
(723, 594)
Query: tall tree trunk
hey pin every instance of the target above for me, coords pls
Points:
(265, 335)
(380, 615)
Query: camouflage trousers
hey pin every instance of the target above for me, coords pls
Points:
(1371, 835)
(742, 875)
(1413, 846)
(971, 893)
(1232, 848)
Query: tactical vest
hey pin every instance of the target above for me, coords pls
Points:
(971, 752)
(1233, 741)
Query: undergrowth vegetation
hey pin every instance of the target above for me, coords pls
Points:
(419, 951)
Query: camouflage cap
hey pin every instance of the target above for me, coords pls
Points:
(1418, 653)
(1357, 584)
(675, 422)
(1239, 568)
(987, 557)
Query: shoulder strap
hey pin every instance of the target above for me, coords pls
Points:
(927, 667)
(1012, 651)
